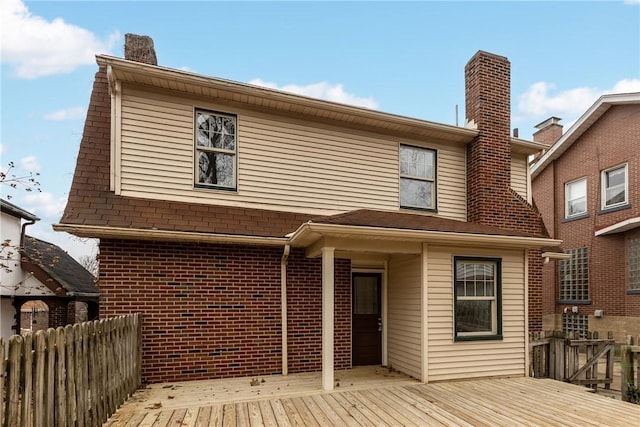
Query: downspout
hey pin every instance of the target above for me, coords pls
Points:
(283, 305)
(22, 233)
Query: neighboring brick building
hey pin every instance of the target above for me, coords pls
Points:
(261, 232)
(587, 188)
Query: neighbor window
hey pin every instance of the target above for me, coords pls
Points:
(614, 186)
(575, 195)
(574, 276)
(477, 290)
(575, 324)
(216, 150)
(417, 177)
(633, 258)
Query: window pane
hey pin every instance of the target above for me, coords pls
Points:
(633, 248)
(473, 316)
(365, 298)
(577, 206)
(416, 193)
(416, 162)
(615, 186)
(215, 168)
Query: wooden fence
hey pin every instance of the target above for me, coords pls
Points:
(630, 370)
(566, 357)
(73, 376)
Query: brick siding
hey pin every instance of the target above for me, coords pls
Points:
(610, 141)
(216, 308)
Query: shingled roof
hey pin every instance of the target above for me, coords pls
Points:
(59, 266)
(411, 221)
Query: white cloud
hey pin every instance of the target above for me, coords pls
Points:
(30, 164)
(631, 1)
(185, 68)
(45, 205)
(72, 113)
(322, 90)
(3, 149)
(540, 99)
(36, 47)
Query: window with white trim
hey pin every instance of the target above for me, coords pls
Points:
(575, 196)
(478, 298)
(614, 187)
(417, 177)
(215, 150)
(574, 275)
(633, 259)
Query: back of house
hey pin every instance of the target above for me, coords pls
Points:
(261, 232)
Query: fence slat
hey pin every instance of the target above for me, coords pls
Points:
(27, 378)
(13, 386)
(61, 375)
(39, 380)
(71, 376)
(3, 364)
(79, 380)
(49, 398)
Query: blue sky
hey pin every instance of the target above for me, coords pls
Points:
(405, 58)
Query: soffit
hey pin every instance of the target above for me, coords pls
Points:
(273, 100)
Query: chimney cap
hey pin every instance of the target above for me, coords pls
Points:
(553, 120)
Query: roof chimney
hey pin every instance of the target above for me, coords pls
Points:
(488, 105)
(140, 49)
(549, 131)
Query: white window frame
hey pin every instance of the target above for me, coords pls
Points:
(567, 201)
(198, 149)
(432, 181)
(603, 186)
(495, 299)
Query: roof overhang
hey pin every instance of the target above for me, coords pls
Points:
(166, 235)
(261, 98)
(16, 211)
(314, 236)
(620, 227)
(597, 110)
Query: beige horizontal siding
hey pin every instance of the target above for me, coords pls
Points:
(284, 164)
(519, 165)
(456, 360)
(404, 314)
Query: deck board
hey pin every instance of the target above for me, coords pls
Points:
(368, 397)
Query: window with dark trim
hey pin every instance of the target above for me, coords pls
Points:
(215, 150)
(417, 177)
(574, 275)
(478, 298)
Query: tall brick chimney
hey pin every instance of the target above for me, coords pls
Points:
(488, 105)
(549, 131)
(140, 49)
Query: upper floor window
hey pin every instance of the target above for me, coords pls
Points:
(614, 186)
(575, 195)
(417, 177)
(633, 258)
(574, 276)
(216, 150)
(478, 303)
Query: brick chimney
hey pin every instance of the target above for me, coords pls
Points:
(488, 105)
(549, 131)
(140, 49)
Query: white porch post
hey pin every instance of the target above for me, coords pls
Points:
(327, 317)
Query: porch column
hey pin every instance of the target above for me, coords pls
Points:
(327, 316)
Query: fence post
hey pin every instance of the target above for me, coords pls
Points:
(626, 369)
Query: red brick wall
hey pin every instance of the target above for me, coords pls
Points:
(304, 301)
(610, 141)
(213, 311)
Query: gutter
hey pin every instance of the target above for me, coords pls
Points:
(283, 305)
(166, 235)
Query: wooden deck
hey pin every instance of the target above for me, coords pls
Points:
(371, 397)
